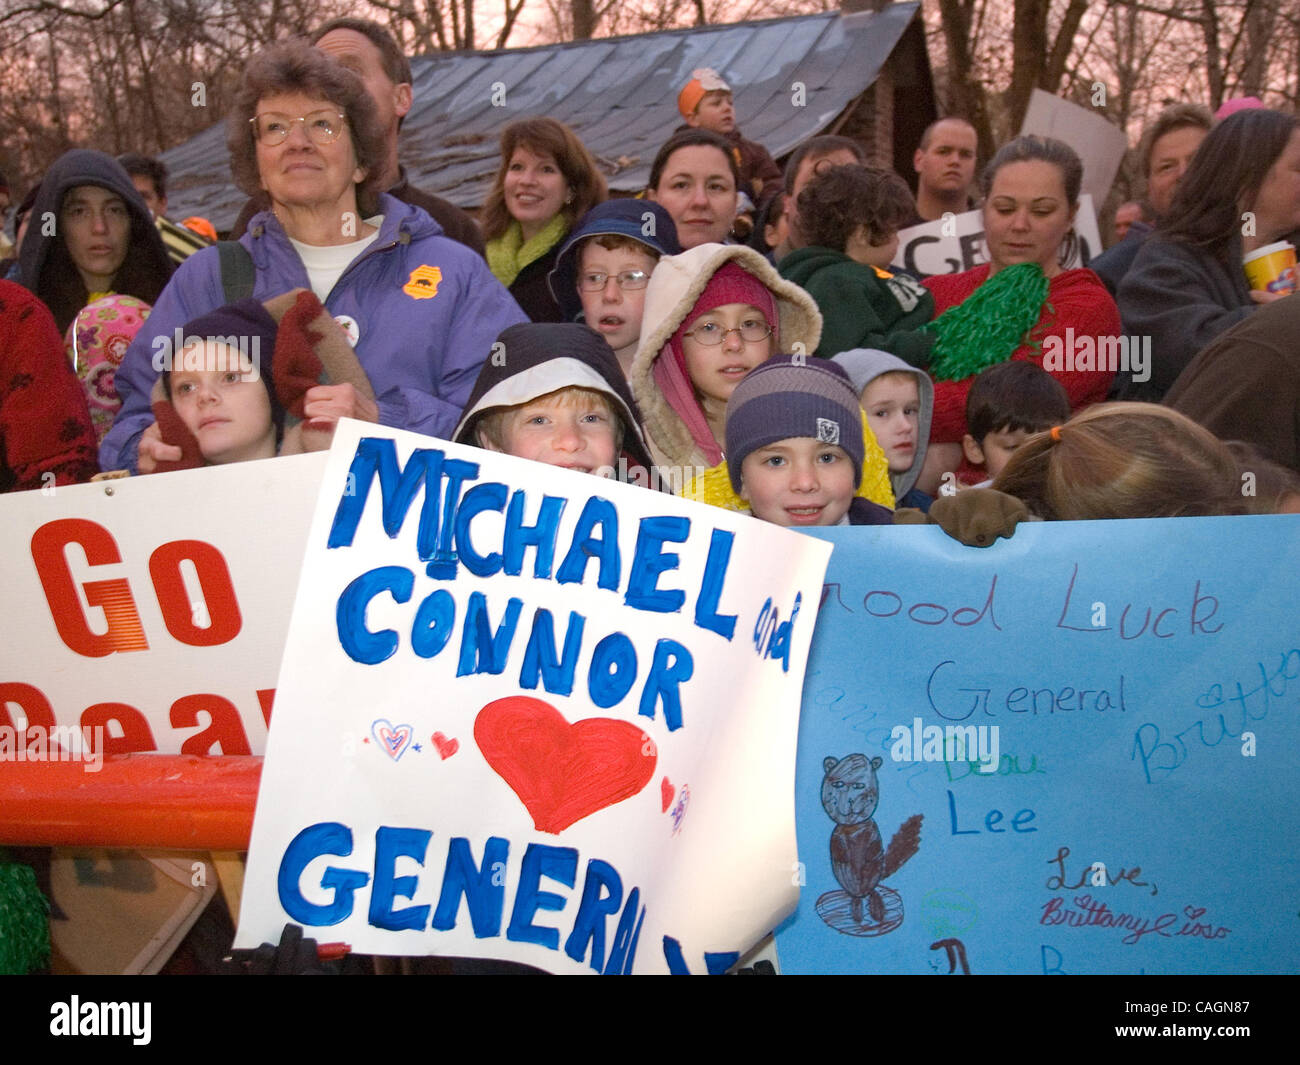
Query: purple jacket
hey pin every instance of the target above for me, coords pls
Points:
(427, 311)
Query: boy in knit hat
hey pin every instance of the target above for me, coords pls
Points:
(553, 392)
(243, 373)
(705, 103)
(795, 447)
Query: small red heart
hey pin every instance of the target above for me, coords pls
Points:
(666, 791)
(446, 747)
(562, 772)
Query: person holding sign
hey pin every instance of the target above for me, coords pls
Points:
(1022, 298)
(420, 309)
(1114, 460)
(712, 314)
(1188, 284)
(559, 397)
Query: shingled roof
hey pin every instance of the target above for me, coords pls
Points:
(619, 94)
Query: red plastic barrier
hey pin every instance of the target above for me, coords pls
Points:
(171, 801)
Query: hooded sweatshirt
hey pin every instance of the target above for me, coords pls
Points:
(676, 430)
(863, 307)
(44, 265)
(541, 358)
(863, 366)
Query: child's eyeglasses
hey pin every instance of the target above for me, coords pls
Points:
(629, 279)
(711, 334)
(323, 126)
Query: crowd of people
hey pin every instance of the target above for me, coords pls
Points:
(736, 332)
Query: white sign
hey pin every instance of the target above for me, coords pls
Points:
(956, 243)
(530, 714)
(1100, 144)
(154, 607)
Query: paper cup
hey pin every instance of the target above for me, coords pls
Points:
(1272, 268)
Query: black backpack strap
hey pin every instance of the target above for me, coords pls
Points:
(238, 274)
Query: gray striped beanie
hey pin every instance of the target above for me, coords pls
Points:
(790, 396)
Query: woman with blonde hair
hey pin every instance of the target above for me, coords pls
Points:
(546, 182)
(1114, 460)
(1125, 460)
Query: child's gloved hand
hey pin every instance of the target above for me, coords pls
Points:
(976, 517)
(979, 516)
(169, 430)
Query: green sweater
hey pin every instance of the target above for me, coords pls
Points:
(861, 309)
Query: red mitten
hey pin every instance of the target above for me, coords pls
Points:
(175, 432)
(296, 367)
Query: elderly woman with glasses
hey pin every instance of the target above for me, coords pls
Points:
(420, 310)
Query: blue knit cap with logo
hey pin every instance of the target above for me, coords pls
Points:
(793, 396)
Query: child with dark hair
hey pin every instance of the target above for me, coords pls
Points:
(1006, 405)
(850, 217)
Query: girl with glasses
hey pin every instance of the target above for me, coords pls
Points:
(712, 314)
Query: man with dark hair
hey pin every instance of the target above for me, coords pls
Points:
(149, 176)
(1166, 149)
(811, 158)
(369, 51)
(945, 168)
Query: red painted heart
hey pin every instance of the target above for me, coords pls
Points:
(561, 772)
(446, 747)
(666, 792)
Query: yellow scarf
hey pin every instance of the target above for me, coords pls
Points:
(510, 253)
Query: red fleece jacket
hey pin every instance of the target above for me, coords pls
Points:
(1077, 299)
(44, 422)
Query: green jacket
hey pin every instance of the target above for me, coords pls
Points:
(861, 309)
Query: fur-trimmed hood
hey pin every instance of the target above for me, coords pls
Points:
(675, 285)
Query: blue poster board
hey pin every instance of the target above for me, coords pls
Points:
(1073, 752)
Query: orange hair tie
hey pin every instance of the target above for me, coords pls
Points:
(1056, 434)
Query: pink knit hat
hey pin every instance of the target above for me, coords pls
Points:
(1237, 103)
(731, 284)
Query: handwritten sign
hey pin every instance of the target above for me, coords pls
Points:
(1073, 752)
(153, 609)
(950, 246)
(530, 714)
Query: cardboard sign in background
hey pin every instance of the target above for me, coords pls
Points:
(531, 714)
(1144, 678)
(957, 245)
